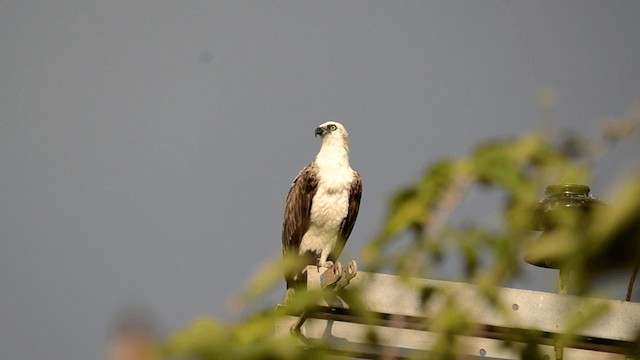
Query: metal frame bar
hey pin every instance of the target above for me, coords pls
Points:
(403, 325)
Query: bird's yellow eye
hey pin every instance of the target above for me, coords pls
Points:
(332, 127)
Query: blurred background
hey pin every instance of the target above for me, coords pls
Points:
(146, 147)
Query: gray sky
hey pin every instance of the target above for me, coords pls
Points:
(146, 147)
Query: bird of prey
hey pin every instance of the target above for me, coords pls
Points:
(322, 205)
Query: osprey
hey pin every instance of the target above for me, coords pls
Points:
(322, 204)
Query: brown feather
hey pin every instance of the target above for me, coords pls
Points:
(297, 215)
(347, 224)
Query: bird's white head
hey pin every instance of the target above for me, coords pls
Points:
(335, 144)
(333, 133)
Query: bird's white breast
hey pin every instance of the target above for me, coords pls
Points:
(329, 208)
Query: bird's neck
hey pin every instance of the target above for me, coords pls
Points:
(333, 154)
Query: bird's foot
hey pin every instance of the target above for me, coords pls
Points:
(333, 274)
(327, 264)
(338, 276)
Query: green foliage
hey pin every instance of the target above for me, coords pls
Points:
(518, 169)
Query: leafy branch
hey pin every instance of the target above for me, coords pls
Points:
(518, 168)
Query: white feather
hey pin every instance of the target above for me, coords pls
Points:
(331, 201)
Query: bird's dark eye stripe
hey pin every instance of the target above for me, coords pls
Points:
(332, 127)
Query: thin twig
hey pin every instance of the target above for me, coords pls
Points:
(631, 281)
(436, 220)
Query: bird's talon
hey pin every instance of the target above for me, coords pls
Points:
(337, 268)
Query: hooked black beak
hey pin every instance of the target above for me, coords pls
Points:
(320, 131)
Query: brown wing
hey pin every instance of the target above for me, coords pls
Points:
(348, 222)
(297, 213)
